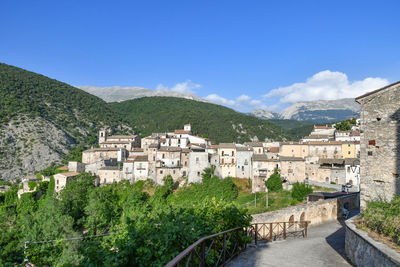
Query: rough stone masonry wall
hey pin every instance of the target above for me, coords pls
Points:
(362, 250)
(315, 212)
(380, 139)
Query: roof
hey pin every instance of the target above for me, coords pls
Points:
(317, 136)
(376, 91)
(121, 136)
(136, 149)
(355, 133)
(227, 145)
(102, 149)
(170, 149)
(68, 174)
(322, 127)
(325, 143)
(213, 146)
(141, 158)
(262, 157)
(254, 144)
(291, 159)
(153, 146)
(352, 161)
(274, 149)
(292, 143)
(116, 142)
(331, 161)
(110, 168)
(181, 132)
(186, 150)
(243, 148)
(63, 168)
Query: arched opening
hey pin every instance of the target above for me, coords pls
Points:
(291, 221)
(324, 214)
(334, 211)
(302, 219)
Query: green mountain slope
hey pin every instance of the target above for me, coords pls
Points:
(221, 124)
(298, 129)
(42, 119)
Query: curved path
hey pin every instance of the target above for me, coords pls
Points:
(323, 247)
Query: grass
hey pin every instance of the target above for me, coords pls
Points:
(317, 188)
(276, 200)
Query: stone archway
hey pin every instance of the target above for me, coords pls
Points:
(324, 214)
(291, 221)
(302, 219)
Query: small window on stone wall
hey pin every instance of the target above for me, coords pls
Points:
(378, 119)
(369, 153)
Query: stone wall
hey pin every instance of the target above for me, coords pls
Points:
(315, 212)
(380, 149)
(362, 250)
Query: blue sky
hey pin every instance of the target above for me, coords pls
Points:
(244, 54)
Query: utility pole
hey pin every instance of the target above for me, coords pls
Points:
(255, 199)
(266, 197)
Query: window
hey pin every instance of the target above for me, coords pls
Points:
(104, 181)
(223, 153)
(233, 153)
(173, 171)
(163, 156)
(348, 152)
(292, 150)
(185, 163)
(197, 160)
(233, 160)
(222, 161)
(160, 171)
(57, 181)
(184, 173)
(242, 168)
(198, 173)
(154, 158)
(259, 150)
(348, 169)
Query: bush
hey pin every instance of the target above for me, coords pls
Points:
(300, 191)
(274, 182)
(384, 218)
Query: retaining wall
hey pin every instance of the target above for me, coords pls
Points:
(362, 250)
(316, 212)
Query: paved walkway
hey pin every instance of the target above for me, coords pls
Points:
(323, 247)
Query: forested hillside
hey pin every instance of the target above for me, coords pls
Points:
(42, 119)
(221, 124)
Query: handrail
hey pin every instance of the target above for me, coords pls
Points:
(189, 249)
(268, 230)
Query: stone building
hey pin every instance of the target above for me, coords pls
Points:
(61, 179)
(293, 169)
(94, 155)
(198, 161)
(262, 168)
(380, 144)
(258, 147)
(227, 159)
(243, 161)
(325, 150)
(294, 149)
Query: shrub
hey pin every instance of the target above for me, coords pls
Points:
(274, 182)
(384, 218)
(300, 191)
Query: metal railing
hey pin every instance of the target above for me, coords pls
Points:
(213, 250)
(278, 230)
(218, 249)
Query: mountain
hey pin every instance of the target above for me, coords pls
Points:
(118, 93)
(221, 124)
(319, 111)
(42, 119)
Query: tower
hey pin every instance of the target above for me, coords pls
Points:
(103, 136)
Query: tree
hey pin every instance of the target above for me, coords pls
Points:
(274, 182)
(300, 191)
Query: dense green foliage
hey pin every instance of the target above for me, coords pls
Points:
(384, 218)
(298, 129)
(141, 229)
(346, 124)
(221, 124)
(274, 182)
(300, 191)
(33, 94)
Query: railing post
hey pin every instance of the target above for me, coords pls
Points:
(203, 254)
(224, 251)
(284, 231)
(270, 232)
(237, 241)
(255, 234)
(305, 230)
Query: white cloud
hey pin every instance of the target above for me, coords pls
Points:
(326, 85)
(186, 87)
(214, 98)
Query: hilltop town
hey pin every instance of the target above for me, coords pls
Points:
(327, 156)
